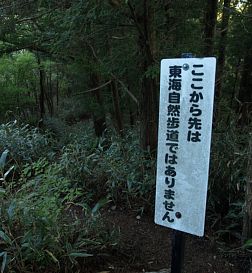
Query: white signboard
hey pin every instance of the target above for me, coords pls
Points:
(185, 125)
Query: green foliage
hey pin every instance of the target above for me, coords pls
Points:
(3, 172)
(152, 72)
(57, 129)
(227, 180)
(247, 245)
(23, 142)
(79, 160)
(42, 228)
(101, 167)
(40, 225)
(73, 110)
(121, 156)
(83, 44)
(18, 82)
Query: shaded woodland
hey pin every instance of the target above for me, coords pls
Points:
(79, 98)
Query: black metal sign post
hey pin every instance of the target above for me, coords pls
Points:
(178, 238)
(178, 250)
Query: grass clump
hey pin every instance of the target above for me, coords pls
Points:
(24, 142)
(41, 227)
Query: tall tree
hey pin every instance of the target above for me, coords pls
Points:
(222, 48)
(245, 95)
(144, 22)
(210, 24)
(247, 217)
(117, 109)
(42, 88)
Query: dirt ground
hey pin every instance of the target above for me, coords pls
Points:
(146, 247)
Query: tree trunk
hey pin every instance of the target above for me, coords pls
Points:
(210, 22)
(148, 114)
(245, 94)
(116, 102)
(222, 53)
(149, 101)
(42, 88)
(133, 109)
(48, 96)
(131, 113)
(247, 218)
(50, 90)
(98, 116)
(234, 89)
(57, 90)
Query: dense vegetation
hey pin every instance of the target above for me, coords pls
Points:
(79, 85)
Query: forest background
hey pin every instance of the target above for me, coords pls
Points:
(79, 91)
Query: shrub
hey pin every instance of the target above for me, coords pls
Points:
(41, 228)
(110, 165)
(130, 171)
(24, 143)
(227, 179)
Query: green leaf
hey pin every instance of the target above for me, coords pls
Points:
(101, 203)
(11, 209)
(3, 158)
(80, 254)
(52, 256)
(7, 173)
(247, 244)
(4, 255)
(5, 237)
(2, 191)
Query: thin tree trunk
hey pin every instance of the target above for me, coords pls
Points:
(35, 94)
(49, 101)
(222, 53)
(234, 89)
(247, 218)
(118, 113)
(42, 88)
(98, 119)
(131, 114)
(148, 114)
(149, 104)
(210, 22)
(57, 89)
(133, 110)
(50, 90)
(245, 94)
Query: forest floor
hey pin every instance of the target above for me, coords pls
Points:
(146, 247)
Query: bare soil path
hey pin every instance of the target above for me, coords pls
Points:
(145, 247)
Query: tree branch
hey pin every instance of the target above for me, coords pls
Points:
(34, 17)
(94, 89)
(114, 77)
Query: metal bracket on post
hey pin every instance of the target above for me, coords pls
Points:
(187, 55)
